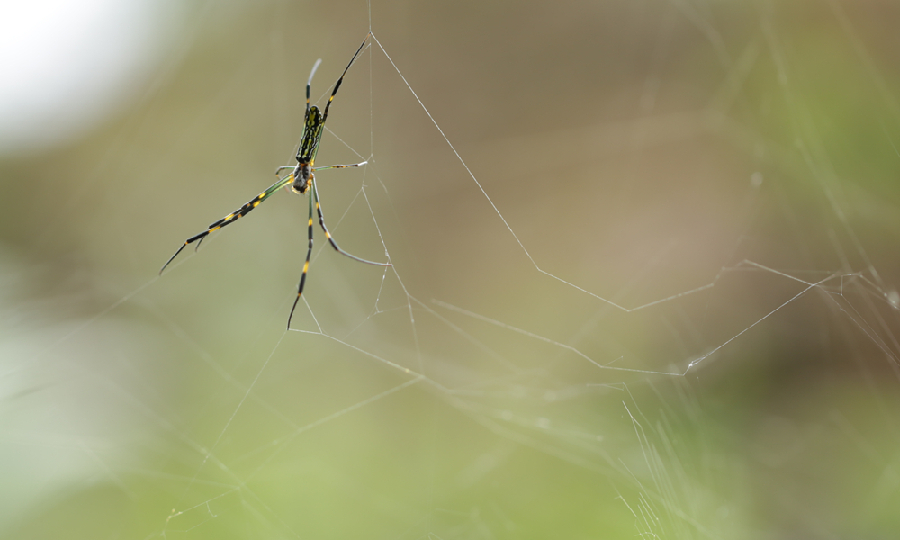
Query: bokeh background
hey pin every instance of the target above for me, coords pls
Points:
(650, 289)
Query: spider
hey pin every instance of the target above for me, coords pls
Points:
(301, 180)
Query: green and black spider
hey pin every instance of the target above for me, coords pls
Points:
(301, 180)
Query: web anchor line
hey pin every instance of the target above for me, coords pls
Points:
(506, 223)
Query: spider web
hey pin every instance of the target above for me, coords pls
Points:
(643, 282)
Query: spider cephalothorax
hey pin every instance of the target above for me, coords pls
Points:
(303, 177)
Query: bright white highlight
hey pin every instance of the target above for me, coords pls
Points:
(68, 65)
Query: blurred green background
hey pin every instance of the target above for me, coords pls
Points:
(684, 325)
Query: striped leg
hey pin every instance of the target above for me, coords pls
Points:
(305, 265)
(279, 169)
(360, 164)
(232, 217)
(337, 85)
(315, 193)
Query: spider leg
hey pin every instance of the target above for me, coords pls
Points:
(315, 193)
(309, 82)
(305, 265)
(339, 166)
(341, 79)
(232, 217)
